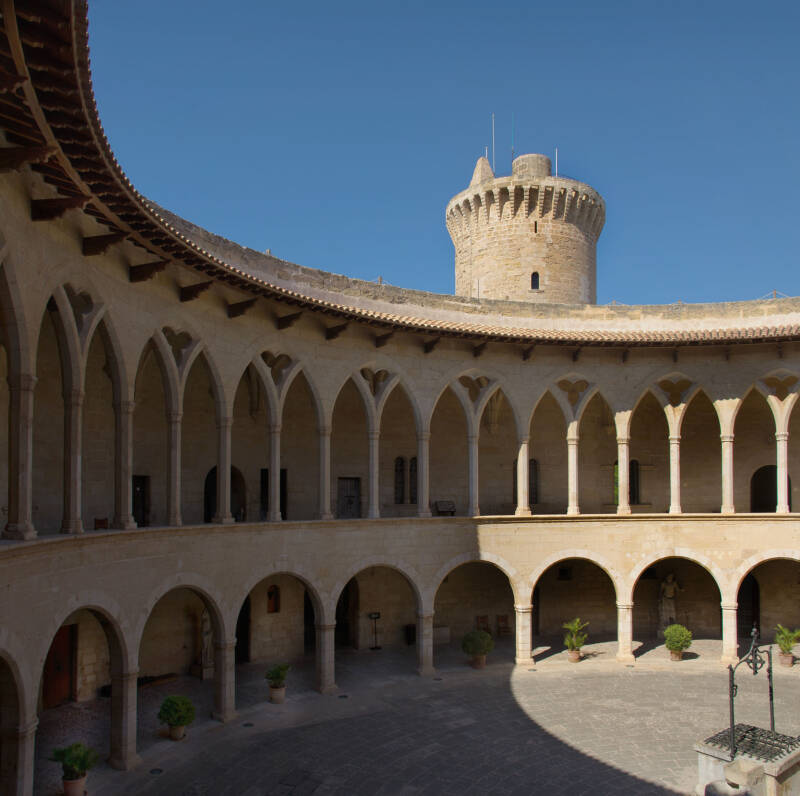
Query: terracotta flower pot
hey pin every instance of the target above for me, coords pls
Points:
(676, 655)
(74, 787)
(478, 661)
(786, 658)
(177, 733)
(277, 695)
(573, 656)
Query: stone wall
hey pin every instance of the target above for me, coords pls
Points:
(277, 637)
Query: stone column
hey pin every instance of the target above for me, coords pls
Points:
(625, 632)
(425, 645)
(782, 451)
(326, 662)
(374, 510)
(523, 476)
(325, 474)
(20, 459)
(524, 652)
(174, 468)
(572, 474)
(223, 515)
(72, 521)
(474, 507)
(274, 474)
(224, 681)
(123, 720)
(675, 475)
(730, 639)
(423, 474)
(623, 475)
(123, 460)
(17, 759)
(728, 506)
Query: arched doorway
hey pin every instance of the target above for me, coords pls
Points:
(449, 456)
(764, 490)
(597, 453)
(10, 721)
(677, 590)
(748, 612)
(497, 457)
(547, 488)
(238, 495)
(475, 595)
(570, 588)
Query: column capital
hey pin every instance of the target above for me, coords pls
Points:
(572, 439)
(131, 674)
(24, 382)
(523, 609)
(524, 439)
(326, 627)
(373, 435)
(425, 616)
(726, 437)
(73, 397)
(325, 431)
(224, 422)
(781, 436)
(125, 406)
(623, 440)
(225, 646)
(174, 417)
(729, 606)
(25, 730)
(473, 439)
(624, 606)
(274, 428)
(675, 439)
(423, 436)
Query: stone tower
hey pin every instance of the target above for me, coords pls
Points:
(527, 237)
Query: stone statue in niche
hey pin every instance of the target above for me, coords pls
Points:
(204, 668)
(667, 608)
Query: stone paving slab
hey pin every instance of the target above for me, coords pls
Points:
(551, 727)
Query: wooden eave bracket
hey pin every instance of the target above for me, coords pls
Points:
(429, 345)
(477, 350)
(382, 339)
(285, 321)
(145, 271)
(625, 353)
(527, 353)
(575, 354)
(14, 158)
(49, 209)
(674, 354)
(240, 307)
(99, 244)
(332, 332)
(190, 292)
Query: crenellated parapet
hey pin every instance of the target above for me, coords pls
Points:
(530, 236)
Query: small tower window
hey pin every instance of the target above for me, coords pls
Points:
(535, 280)
(412, 480)
(273, 600)
(399, 480)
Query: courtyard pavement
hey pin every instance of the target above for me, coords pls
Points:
(595, 727)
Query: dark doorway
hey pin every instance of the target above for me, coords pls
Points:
(347, 616)
(264, 505)
(141, 500)
(764, 490)
(243, 633)
(238, 496)
(59, 668)
(748, 613)
(309, 622)
(348, 502)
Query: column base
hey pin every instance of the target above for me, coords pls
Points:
(228, 520)
(675, 510)
(124, 763)
(19, 530)
(782, 510)
(524, 661)
(273, 518)
(424, 513)
(224, 716)
(623, 509)
(573, 511)
(727, 510)
(327, 690)
(728, 660)
(72, 526)
(326, 516)
(426, 671)
(524, 512)
(373, 515)
(124, 523)
(625, 657)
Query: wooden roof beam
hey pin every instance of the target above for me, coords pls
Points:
(240, 307)
(527, 353)
(285, 321)
(15, 157)
(99, 244)
(575, 354)
(10, 83)
(145, 271)
(49, 209)
(477, 350)
(190, 292)
(332, 332)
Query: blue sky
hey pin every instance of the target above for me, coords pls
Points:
(335, 133)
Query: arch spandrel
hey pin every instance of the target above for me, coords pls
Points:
(592, 557)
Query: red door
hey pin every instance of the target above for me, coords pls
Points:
(58, 668)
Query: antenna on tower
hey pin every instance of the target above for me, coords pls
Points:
(556, 161)
(512, 136)
(493, 168)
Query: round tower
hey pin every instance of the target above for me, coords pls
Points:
(527, 237)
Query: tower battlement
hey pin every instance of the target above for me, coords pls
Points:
(530, 236)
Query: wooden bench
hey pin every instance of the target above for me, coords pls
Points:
(444, 508)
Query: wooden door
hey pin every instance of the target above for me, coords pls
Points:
(348, 502)
(59, 668)
(141, 500)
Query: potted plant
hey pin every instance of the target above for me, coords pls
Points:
(177, 712)
(277, 682)
(677, 638)
(76, 759)
(477, 644)
(786, 639)
(574, 638)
